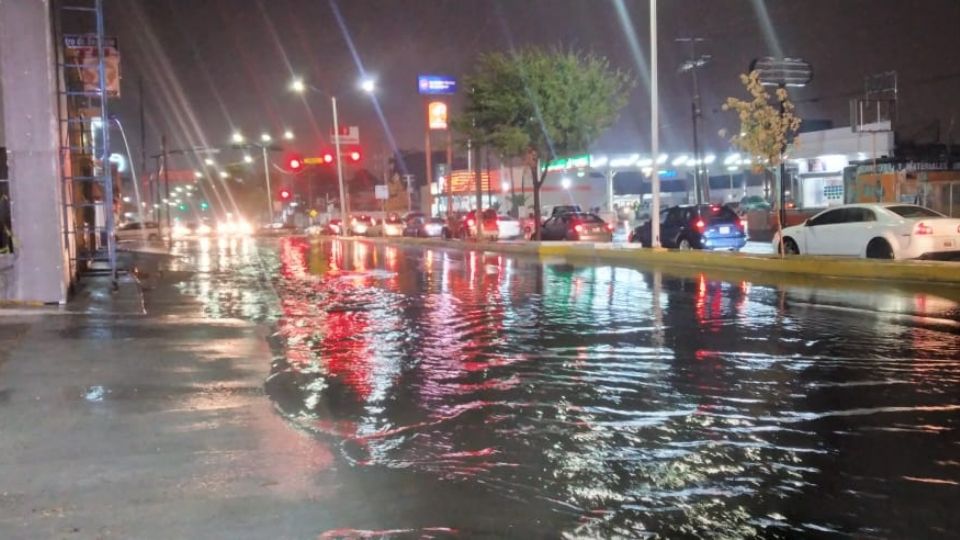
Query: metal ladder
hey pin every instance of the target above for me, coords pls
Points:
(86, 171)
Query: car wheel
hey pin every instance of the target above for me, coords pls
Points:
(684, 245)
(878, 248)
(790, 247)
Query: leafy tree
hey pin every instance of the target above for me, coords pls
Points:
(540, 104)
(766, 122)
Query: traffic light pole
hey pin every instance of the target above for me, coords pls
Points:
(266, 172)
(336, 144)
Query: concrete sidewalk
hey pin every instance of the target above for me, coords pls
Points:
(125, 417)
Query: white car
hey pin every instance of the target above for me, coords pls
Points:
(509, 228)
(133, 231)
(875, 231)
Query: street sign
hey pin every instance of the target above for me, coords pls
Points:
(436, 85)
(347, 135)
(381, 193)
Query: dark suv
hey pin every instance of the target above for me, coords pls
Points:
(707, 226)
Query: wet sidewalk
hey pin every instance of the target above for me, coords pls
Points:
(129, 415)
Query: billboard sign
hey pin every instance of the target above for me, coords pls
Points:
(437, 115)
(81, 56)
(436, 85)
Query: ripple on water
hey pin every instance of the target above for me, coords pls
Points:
(627, 403)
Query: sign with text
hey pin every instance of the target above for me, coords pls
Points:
(347, 135)
(436, 85)
(82, 58)
(437, 115)
(381, 193)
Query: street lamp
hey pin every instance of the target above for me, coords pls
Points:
(287, 135)
(300, 87)
(209, 162)
(237, 138)
(368, 85)
(265, 137)
(247, 158)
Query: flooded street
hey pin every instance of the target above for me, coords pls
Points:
(484, 394)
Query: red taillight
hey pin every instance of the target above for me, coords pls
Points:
(610, 227)
(578, 228)
(700, 225)
(742, 223)
(471, 222)
(922, 229)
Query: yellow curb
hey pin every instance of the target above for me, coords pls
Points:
(805, 266)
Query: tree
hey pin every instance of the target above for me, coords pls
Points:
(540, 104)
(766, 124)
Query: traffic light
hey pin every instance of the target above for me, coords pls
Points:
(183, 207)
(355, 156)
(328, 158)
(295, 164)
(284, 194)
(204, 205)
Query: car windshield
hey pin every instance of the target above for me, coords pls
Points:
(718, 214)
(585, 218)
(912, 211)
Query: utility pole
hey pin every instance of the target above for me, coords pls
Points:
(654, 132)
(166, 183)
(693, 64)
(143, 148)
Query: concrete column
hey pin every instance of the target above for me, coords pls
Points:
(38, 271)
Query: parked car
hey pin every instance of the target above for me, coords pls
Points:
(136, 230)
(509, 228)
(465, 226)
(705, 226)
(391, 226)
(875, 231)
(333, 227)
(753, 202)
(421, 226)
(575, 226)
(361, 225)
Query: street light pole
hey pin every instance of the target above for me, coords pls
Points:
(266, 172)
(654, 131)
(336, 144)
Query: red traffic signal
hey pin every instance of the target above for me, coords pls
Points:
(355, 156)
(328, 158)
(295, 164)
(284, 194)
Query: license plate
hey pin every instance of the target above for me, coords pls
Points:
(724, 230)
(948, 243)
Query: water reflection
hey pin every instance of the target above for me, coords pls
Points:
(614, 401)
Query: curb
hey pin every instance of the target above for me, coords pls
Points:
(807, 266)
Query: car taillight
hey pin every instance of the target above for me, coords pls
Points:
(610, 227)
(471, 222)
(578, 228)
(700, 225)
(742, 223)
(922, 229)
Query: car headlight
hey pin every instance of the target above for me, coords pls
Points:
(204, 230)
(244, 228)
(179, 231)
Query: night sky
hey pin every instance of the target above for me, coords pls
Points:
(216, 65)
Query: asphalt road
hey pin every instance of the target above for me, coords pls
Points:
(305, 388)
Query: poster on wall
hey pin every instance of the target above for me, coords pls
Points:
(81, 56)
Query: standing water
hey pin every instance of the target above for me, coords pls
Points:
(495, 395)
